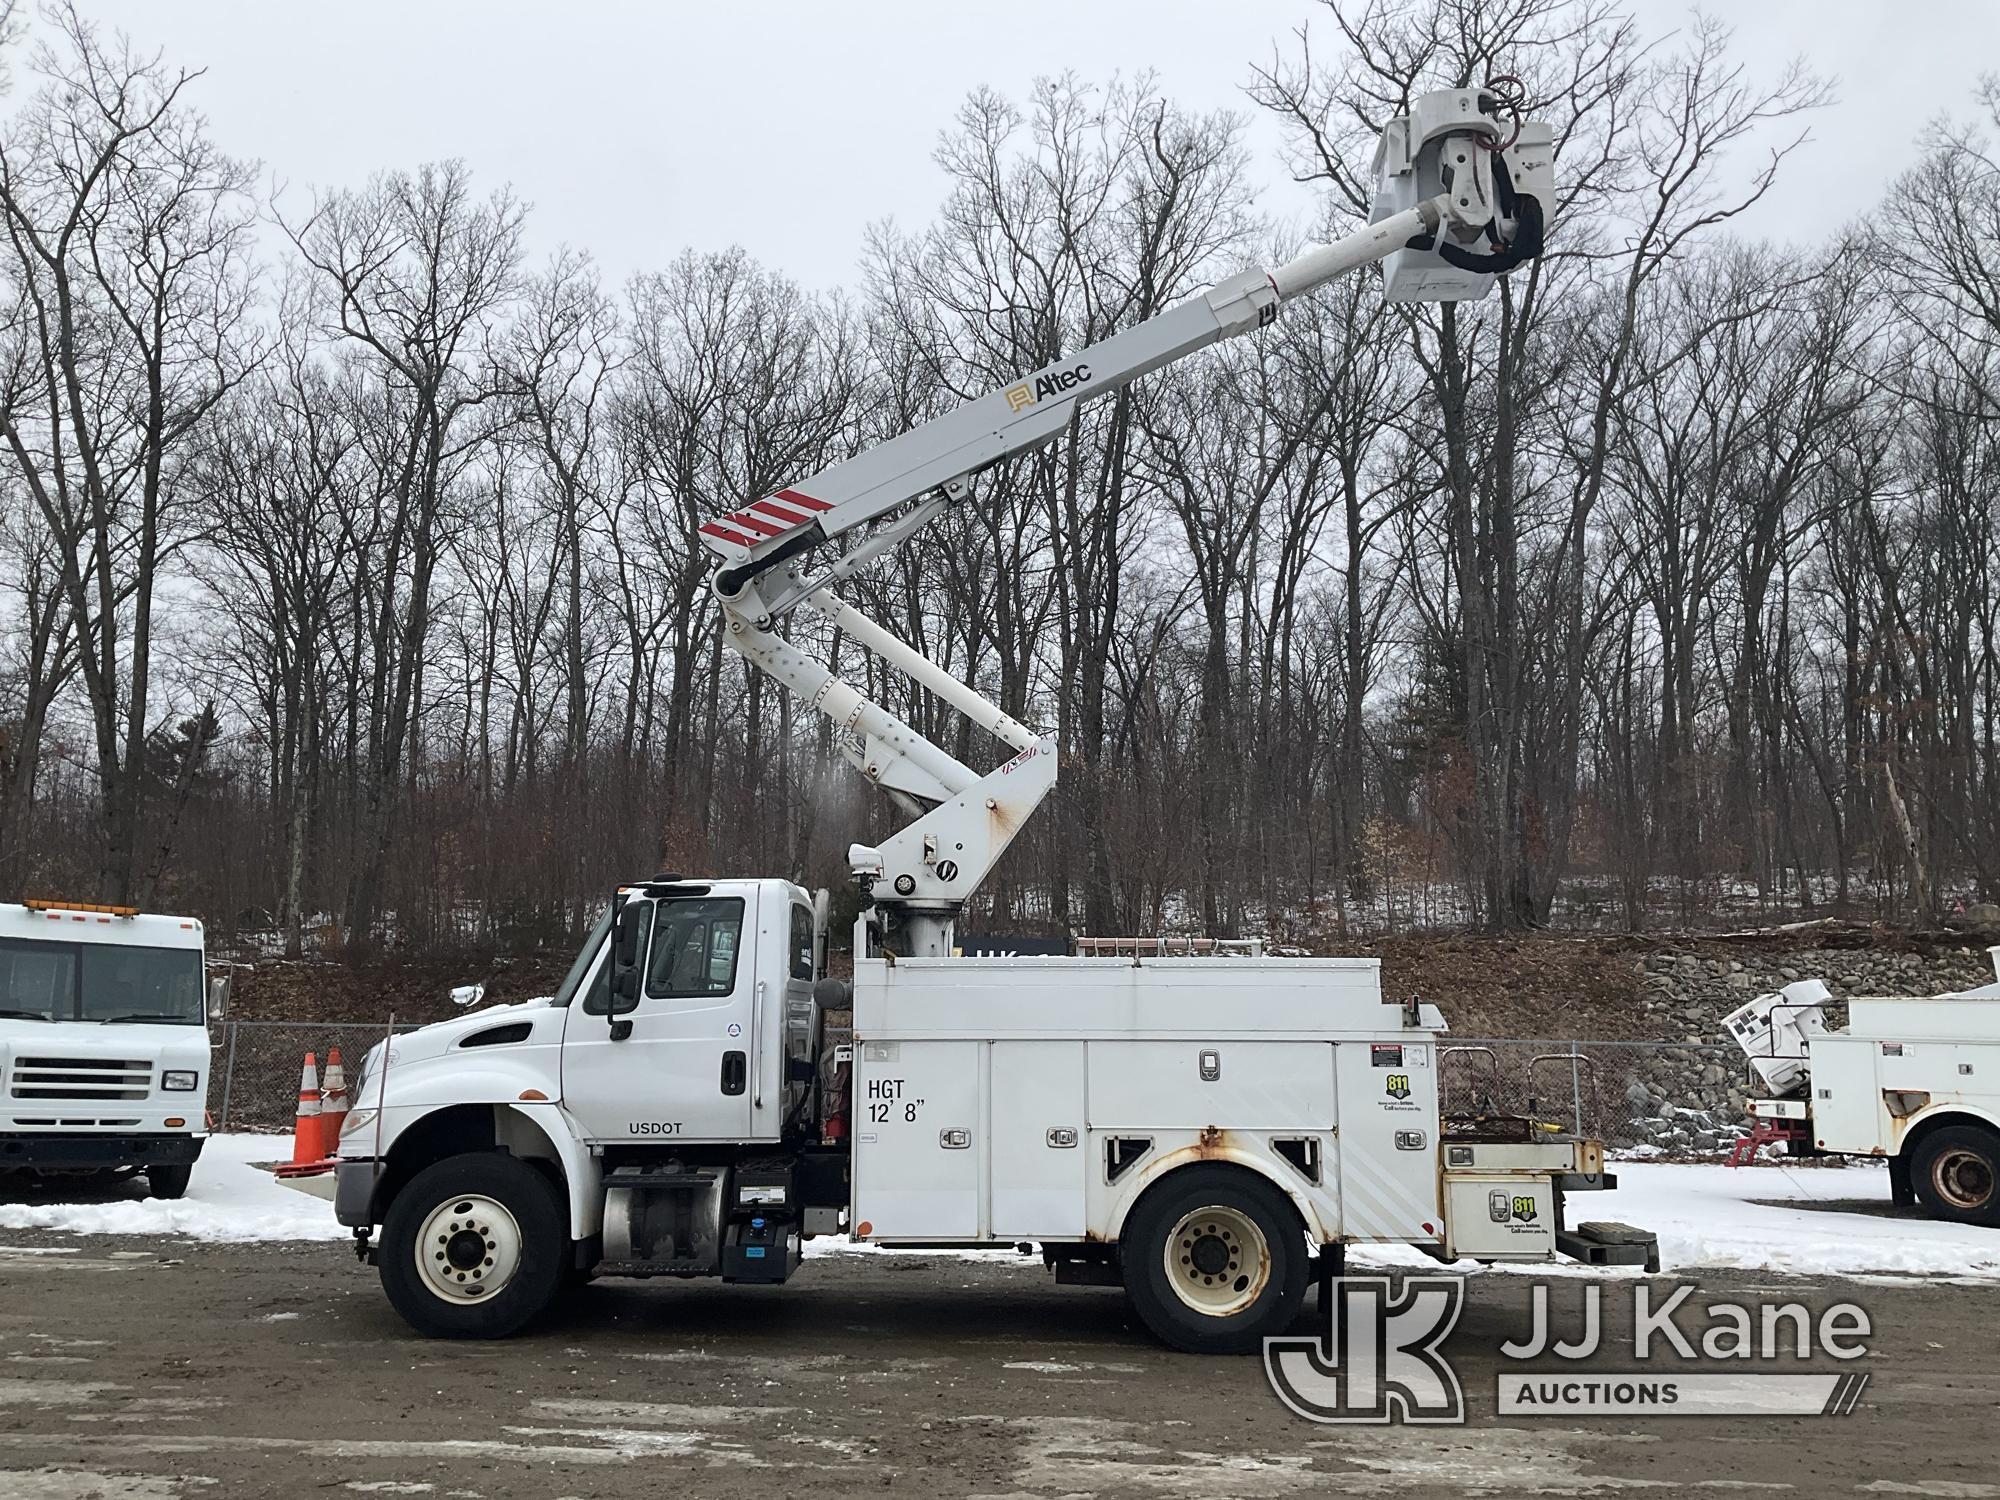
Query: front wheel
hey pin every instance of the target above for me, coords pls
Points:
(168, 1182)
(473, 1246)
(1215, 1260)
(1956, 1174)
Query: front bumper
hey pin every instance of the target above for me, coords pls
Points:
(53, 1151)
(354, 1192)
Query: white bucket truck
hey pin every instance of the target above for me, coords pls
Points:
(103, 1045)
(1911, 1080)
(1203, 1132)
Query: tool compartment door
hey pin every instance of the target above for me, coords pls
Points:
(1039, 1150)
(917, 1140)
(1388, 1144)
(1284, 1087)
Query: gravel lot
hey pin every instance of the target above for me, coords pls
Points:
(155, 1368)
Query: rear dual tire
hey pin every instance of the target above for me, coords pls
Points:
(474, 1246)
(1215, 1260)
(1955, 1171)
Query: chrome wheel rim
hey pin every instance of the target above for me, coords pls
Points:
(469, 1248)
(1217, 1261)
(1964, 1179)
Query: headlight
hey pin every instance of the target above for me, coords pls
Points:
(180, 1082)
(357, 1121)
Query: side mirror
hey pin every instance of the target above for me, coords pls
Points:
(218, 998)
(631, 932)
(627, 944)
(468, 994)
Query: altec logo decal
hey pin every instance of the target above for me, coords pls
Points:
(1021, 397)
(765, 519)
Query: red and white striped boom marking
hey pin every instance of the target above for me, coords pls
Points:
(764, 519)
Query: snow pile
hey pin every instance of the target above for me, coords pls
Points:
(1832, 1221)
(229, 1199)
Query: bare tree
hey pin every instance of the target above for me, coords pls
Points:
(127, 321)
(416, 270)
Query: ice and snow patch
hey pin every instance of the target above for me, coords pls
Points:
(22, 1392)
(228, 1199)
(92, 1484)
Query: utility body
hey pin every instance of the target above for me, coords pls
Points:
(103, 1044)
(1207, 1132)
(1913, 1080)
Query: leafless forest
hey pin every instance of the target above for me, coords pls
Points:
(348, 585)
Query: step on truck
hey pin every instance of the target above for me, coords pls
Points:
(1208, 1133)
(1911, 1080)
(104, 1047)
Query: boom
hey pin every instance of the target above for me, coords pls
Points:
(1459, 200)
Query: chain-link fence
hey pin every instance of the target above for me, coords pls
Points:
(254, 1075)
(1685, 1098)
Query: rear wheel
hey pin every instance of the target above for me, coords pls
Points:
(1956, 1173)
(1215, 1260)
(473, 1246)
(169, 1182)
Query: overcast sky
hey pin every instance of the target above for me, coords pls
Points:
(638, 129)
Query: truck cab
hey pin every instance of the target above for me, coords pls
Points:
(104, 1049)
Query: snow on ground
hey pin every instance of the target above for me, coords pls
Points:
(1799, 1220)
(1809, 1221)
(228, 1199)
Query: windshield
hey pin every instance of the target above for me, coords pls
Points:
(566, 992)
(99, 982)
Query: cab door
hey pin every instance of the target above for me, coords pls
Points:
(661, 1048)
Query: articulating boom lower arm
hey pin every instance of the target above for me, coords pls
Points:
(1448, 181)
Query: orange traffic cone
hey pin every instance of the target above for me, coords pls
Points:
(307, 1143)
(333, 1104)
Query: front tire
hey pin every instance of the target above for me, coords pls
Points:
(1956, 1173)
(1215, 1260)
(169, 1182)
(474, 1246)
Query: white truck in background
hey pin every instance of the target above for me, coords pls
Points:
(104, 1048)
(1206, 1133)
(1910, 1080)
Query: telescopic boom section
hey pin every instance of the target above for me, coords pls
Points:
(1460, 198)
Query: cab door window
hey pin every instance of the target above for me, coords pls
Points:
(696, 941)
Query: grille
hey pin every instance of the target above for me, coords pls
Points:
(80, 1078)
